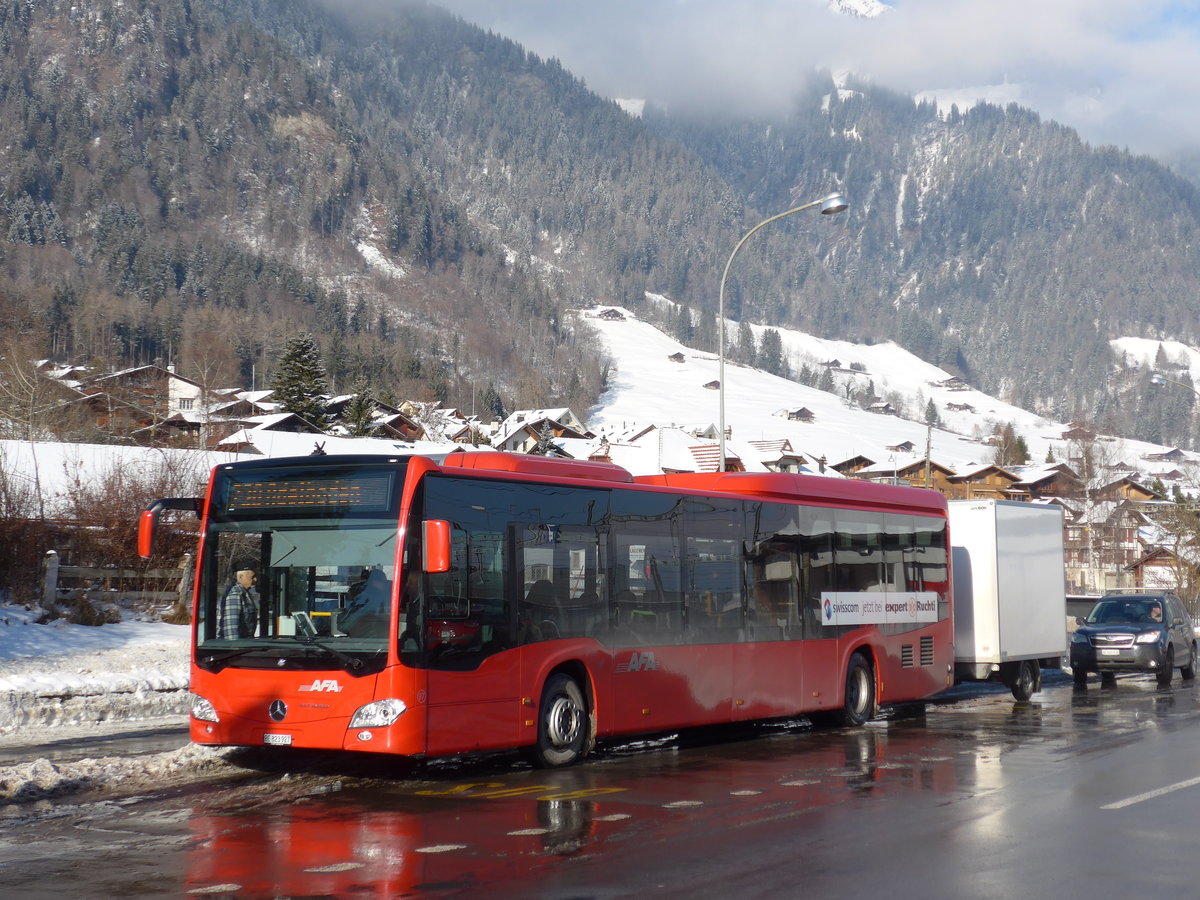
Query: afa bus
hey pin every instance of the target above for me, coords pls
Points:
(431, 606)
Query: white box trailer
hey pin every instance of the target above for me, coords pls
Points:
(1009, 600)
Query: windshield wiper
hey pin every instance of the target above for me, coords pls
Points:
(219, 661)
(352, 662)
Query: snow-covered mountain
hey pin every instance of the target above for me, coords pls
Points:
(866, 9)
(656, 380)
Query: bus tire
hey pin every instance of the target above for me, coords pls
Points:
(563, 724)
(858, 704)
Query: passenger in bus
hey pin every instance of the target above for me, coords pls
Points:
(369, 613)
(237, 613)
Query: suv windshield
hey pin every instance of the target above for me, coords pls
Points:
(1127, 611)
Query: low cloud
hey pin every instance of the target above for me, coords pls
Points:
(1119, 71)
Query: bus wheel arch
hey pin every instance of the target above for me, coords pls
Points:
(861, 691)
(566, 719)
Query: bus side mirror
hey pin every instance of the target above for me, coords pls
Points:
(148, 520)
(147, 523)
(436, 546)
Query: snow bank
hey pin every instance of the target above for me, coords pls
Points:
(64, 674)
(43, 780)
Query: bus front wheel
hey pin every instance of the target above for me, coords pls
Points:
(859, 703)
(562, 737)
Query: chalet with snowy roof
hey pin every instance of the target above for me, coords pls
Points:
(612, 315)
(671, 450)
(64, 372)
(676, 357)
(953, 383)
(242, 441)
(1162, 569)
(713, 386)
(850, 466)
(1127, 489)
(1174, 455)
(883, 408)
(1172, 475)
(523, 429)
(1079, 433)
(1045, 481)
(1103, 535)
(397, 425)
(903, 447)
(960, 407)
(803, 414)
(913, 471)
(990, 482)
(777, 456)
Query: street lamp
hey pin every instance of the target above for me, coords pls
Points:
(834, 203)
(1158, 380)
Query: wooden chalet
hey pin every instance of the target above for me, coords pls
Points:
(989, 482)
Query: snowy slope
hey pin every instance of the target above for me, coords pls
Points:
(647, 387)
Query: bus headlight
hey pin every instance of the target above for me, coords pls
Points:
(202, 710)
(377, 714)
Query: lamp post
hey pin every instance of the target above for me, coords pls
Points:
(834, 203)
(1158, 380)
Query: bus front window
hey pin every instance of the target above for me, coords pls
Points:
(299, 592)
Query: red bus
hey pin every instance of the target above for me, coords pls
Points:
(429, 606)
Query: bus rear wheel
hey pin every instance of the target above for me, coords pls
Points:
(859, 703)
(562, 737)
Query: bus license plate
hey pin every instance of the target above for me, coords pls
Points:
(1110, 651)
(281, 740)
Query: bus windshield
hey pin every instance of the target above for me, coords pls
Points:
(295, 575)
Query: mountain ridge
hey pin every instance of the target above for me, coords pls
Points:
(193, 182)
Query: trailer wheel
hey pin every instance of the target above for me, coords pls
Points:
(1028, 680)
(859, 703)
(563, 724)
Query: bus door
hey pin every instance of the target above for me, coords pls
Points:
(818, 655)
(458, 633)
(658, 679)
(768, 677)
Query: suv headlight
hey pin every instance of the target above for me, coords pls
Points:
(1078, 638)
(202, 710)
(1149, 637)
(377, 714)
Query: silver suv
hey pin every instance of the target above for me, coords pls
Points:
(1149, 631)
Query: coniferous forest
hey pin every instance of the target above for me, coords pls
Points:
(194, 182)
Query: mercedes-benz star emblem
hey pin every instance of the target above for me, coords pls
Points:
(277, 710)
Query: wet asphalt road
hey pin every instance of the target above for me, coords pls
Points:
(1092, 793)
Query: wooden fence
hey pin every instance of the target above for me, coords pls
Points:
(111, 585)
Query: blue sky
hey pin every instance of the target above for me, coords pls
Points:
(1121, 72)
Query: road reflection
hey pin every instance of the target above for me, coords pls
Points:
(461, 827)
(381, 838)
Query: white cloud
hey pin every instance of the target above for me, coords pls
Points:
(1119, 71)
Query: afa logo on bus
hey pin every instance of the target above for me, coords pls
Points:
(639, 662)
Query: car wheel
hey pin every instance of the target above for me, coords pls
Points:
(1189, 671)
(1080, 676)
(1168, 667)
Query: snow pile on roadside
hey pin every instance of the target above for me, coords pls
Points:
(63, 674)
(44, 780)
